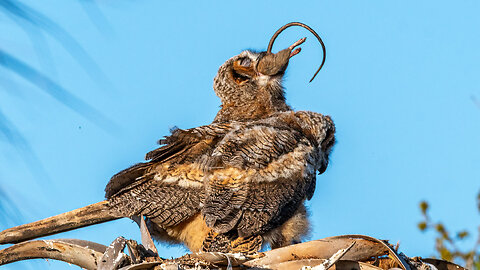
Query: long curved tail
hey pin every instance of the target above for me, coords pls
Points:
(85, 216)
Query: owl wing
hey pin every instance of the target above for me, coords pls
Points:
(169, 188)
(182, 146)
(259, 174)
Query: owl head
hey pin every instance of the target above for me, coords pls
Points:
(250, 76)
(249, 85)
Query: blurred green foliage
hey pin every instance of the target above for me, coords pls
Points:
(447, 245)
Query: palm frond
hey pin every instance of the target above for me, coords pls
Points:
(96, 16)
(36, 18)
(55, 90)
(11, 134)
(9, 213)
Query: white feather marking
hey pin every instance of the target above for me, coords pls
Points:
(263, 79)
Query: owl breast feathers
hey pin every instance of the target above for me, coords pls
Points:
(239, 180)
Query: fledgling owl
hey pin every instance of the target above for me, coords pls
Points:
(230, 186)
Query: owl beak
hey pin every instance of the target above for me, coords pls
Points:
(272, 64)
(323, 166)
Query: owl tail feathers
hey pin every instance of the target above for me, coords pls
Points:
(85, 216)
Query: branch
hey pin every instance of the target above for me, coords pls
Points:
(365, 248)
(343, 252)
(52, 249)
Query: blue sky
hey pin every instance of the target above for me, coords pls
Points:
(401, 82)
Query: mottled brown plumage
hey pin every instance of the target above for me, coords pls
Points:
(245, 92)
(230, 186)
(245, 178)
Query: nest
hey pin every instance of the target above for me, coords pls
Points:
(346, 252)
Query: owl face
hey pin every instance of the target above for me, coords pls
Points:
(241, 78)
(258, 68)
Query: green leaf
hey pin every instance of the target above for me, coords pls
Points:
(422, 226)
(446, 254)
(440, 228)
(476, 265)
(424, 207)
(462, 234)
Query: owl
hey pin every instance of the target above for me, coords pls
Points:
(234, 185)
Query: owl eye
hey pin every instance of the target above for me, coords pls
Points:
(245, 61)
(242, 70)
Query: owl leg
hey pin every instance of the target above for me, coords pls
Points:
(249, 245)
(291, 232)
(230, 243)
(191, 232)
(216, 242)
